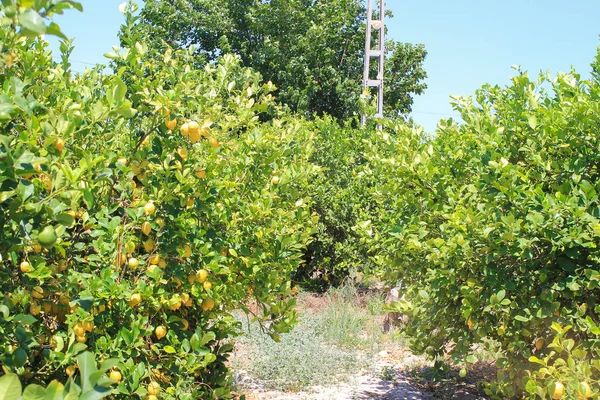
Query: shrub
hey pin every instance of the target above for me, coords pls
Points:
(493, 227)
(340, 200)
(138, 209)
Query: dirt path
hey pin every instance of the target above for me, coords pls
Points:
(385, 379)
(338, 352)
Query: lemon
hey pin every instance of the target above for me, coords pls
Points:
(160, 332)
(133, 263)
(185, 129)
(47, 237)
(214, 143)
(171, 124)
(153, 388)
(200, 173)
(146, 228)
(135, 299)
(559, 391)
(149, 208)
(115, 376)
(25, 267)
(59, 144)
(201, 275)
(207, 304)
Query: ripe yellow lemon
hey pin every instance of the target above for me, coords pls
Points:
(275, 179)
(115, 376)
(214, 143)
(201, 275)
(149, 208)
(185, 129)
(154, 259)
(79, 329)
(88, 326)
(70, 370)
(149, 245)
(187, 251)
(194, 136)
(559, 391)
(584, 390)
(135, 299)
(160, 332)
(59, 144)
(130, 247)
(25, 267)
(171, 124)
(35, 308)
(200, 173)
(207, 304)
(133, 263)
(207, 285)
(146, 228)
(182, 153)
(153, 388)
(194, 127)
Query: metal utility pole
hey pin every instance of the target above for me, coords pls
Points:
(378, 52)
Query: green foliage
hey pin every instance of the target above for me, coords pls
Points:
(113, 224)
(93, 383)
(493, 225)
(313, 51)
(340, 201)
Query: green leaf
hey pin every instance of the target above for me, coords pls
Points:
(25, 190)
(65, 219)
(471, 359)
(501, 294)
(88, 198)
(98, 392)
(34, 392)
(25, 319)
(207, 337)
(531, 386)
(87, 366)
(54, 391)
(54, 29)
(521, 318)
(118, 92)
(32, 23)
(169, 350)
(10, 387)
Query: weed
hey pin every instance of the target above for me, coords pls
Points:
(302, 359)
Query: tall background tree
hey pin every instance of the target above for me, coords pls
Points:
(311, 50)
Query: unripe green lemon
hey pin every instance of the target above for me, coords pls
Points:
(47, 237)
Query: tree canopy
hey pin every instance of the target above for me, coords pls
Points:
(311, 50)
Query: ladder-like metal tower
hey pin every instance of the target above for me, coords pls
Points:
(378, 52)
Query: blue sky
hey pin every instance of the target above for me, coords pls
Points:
(469, 42)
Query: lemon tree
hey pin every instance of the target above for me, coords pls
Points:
(492, 226)
(139, 209)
